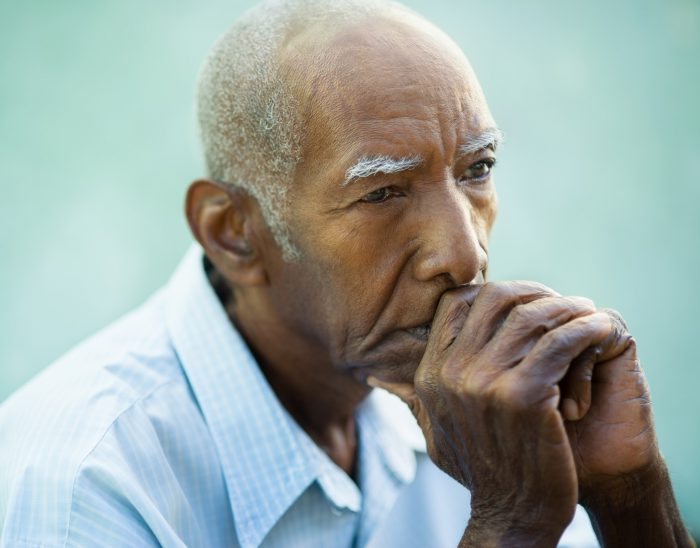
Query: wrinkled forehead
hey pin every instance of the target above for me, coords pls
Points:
(363, 78)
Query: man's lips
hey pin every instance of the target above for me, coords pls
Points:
(395, 353)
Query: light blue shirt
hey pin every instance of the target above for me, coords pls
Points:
(162, 430)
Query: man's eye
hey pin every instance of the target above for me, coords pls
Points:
(479, 172)
(378, 196)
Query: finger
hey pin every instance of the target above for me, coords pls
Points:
(456, 310)
(491, 307)
(618, 375)
(576, 386)
(549, 360)
(526, 324)
(450, 317)
(448, 322)
(618, 340)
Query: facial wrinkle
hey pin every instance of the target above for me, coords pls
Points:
(391, 297)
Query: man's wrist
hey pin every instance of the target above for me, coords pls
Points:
(498, 534)
(637, 509)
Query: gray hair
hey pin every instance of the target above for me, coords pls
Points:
(251, 128)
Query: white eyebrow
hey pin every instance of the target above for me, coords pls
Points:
(490, 137)
(367, 166)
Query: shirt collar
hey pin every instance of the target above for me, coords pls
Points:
(268, 461)
(387, 419)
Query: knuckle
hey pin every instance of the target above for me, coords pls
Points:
(582, 302)
(613, 313)
(534, 316)
(535, 289)
(451, 375)
(537, 286)
(600, 322)
(522, 315)
(571, 307)
(465, 379)
(486, 386)
(452, 304)
(495, 291)
(557, 338)
(568, 334)
(565, 309)
(481, 384)
(424, 383)
(456, 308)
(515, 292)
(616, 319)
(513, 395)
(547, 314)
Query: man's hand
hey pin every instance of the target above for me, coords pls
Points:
(487, 396)
(623, 481)
(615, 436)
(534, 401)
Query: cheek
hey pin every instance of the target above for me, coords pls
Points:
(485, 210)
(358, 263)
(491, 212)
(353, 249)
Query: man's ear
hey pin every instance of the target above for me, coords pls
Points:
(224, 221)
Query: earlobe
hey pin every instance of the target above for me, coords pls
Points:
(221, 219)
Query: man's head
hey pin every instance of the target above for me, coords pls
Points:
(251, 123)
(363, 145)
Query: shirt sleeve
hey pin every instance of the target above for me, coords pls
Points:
(122, 493)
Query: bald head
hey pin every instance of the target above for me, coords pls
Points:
(286, 68)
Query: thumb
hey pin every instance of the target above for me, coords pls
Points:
(403, 390)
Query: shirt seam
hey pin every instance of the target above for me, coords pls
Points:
(97, 443)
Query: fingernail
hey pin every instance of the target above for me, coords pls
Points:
(372, 381)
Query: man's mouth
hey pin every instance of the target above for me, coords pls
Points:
(421, 332)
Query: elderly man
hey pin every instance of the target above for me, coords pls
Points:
(342, 235)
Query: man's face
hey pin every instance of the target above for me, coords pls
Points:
(379, 249)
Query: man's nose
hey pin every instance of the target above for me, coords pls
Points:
(449, 239)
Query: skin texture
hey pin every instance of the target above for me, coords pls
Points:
(532, 400)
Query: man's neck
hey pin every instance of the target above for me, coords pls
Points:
(320, 398)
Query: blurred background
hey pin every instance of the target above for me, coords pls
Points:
(598, 179)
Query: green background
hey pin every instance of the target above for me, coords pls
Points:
(598, 179)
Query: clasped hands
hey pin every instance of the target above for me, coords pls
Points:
(534, 402)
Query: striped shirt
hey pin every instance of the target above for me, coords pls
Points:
(161, 430)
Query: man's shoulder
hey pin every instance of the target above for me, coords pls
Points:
(90, 421)
(104, 374)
